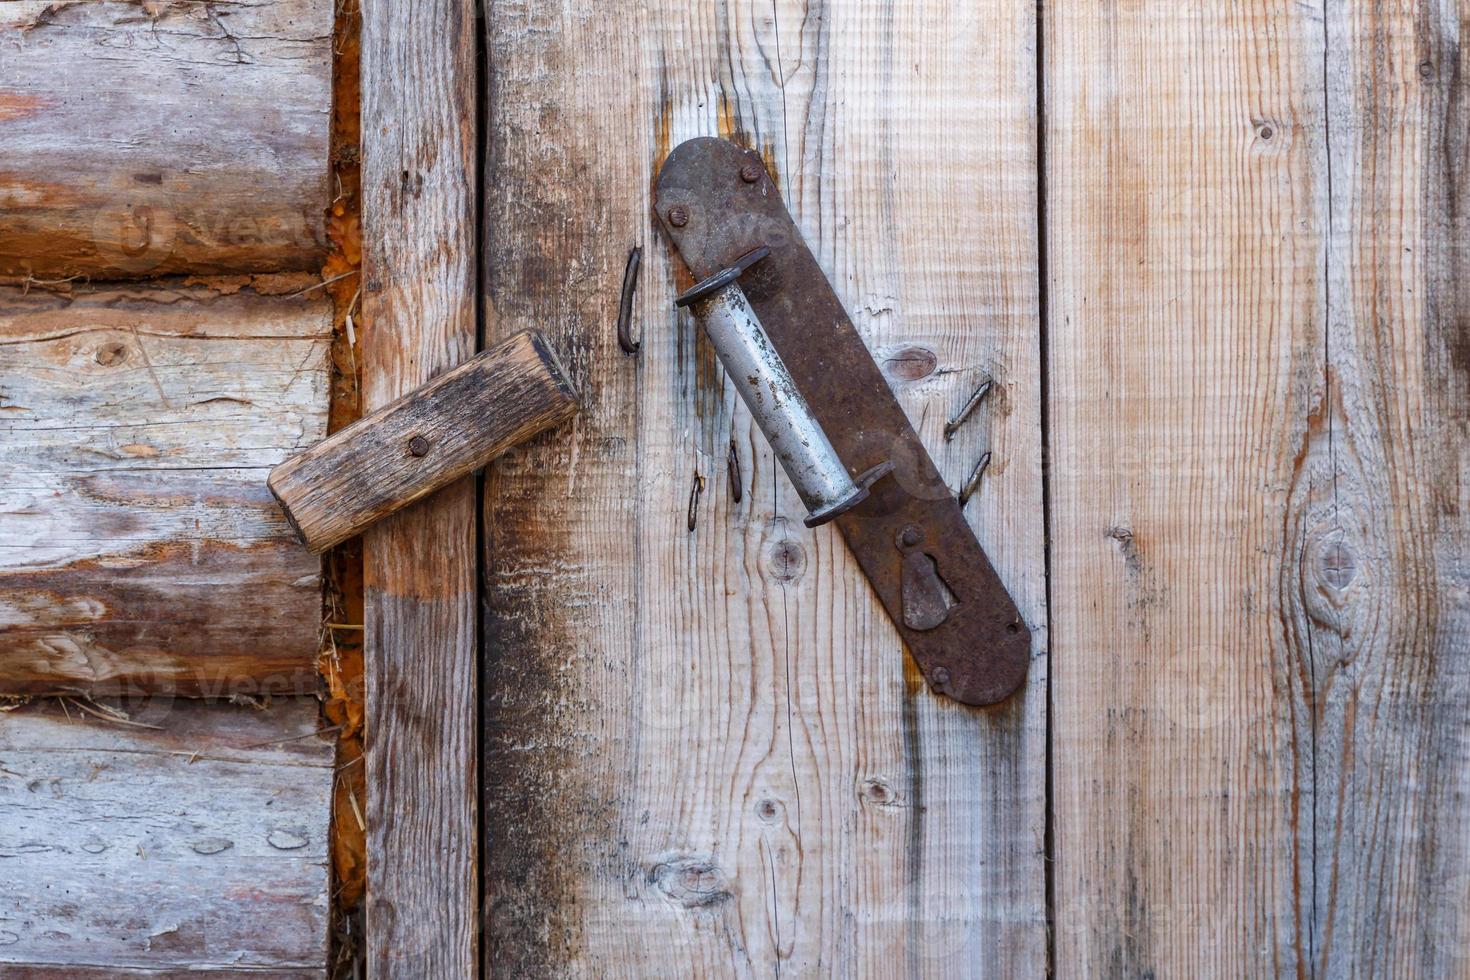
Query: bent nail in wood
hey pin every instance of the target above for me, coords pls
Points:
(427, 439)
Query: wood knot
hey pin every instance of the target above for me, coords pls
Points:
(786, 560)
(286, 840)
(690, 882)
(910, 363)
(768, 810)
(877, 792)
(1337, 565)
(112, 353)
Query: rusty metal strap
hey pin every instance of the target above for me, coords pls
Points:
(717, 202)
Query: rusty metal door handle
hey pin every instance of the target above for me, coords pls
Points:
(839, 432)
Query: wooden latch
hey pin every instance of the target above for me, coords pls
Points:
(839, 432)
(427, 439)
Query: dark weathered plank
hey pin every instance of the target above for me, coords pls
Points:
(419, 82)
(197, 844)
(139, 547)
(140, 137)
(706, 754)
(431, 437)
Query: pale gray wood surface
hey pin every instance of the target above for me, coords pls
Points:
(139, 546)
(419, 81)
(706, 754)
(142, 137)
(199, 843)
(1258, 414)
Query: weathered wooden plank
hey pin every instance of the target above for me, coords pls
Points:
(142, 137)
(139, 547)
(419, 81)
(1259, 455)
(1183, 188)
(428, 438)
(1380, 582)
(705, 754)
(199, 844)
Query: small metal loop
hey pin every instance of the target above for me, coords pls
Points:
(695, 492)
(625, 302)
(723, 278)
(732, 466)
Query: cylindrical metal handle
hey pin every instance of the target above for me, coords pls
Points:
(769, 391)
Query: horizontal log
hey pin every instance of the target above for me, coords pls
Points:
(143, 137)
(139, 547)
(198, 843)
(425, 440)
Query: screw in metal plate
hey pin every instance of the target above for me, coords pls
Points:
(750, 173)
(678, 216)
(940, 677)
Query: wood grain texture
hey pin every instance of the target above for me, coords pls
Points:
(143, 137)
(1381, 581)
(419, 81)
(197, 844)
(705, 753)
(431, 437)
(139, 547)
(1258, 435)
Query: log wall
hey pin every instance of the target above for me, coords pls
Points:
(146, 137)
(139, 547)
(193, 838)
(140, 551)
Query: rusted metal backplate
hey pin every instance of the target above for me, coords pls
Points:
(723, 204)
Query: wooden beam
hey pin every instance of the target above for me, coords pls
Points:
(419, 80)
(194, 837)
(1258, 430)
(142, 138)
(705, 751)
(139, 548)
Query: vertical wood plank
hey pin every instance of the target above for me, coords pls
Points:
(1185, 190)
(419, 82)
(1383, 571)
(704, 752)
(1259, 430)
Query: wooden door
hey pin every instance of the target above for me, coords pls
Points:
(705, 753)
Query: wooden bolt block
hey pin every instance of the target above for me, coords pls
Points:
(429, 438)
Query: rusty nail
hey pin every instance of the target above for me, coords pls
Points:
(678, 216)
(940, 677)
(973, 483)
(911, 536)
(750, 173)
(695, 492)
(418, 446)
(732, 464)
(953, 425)
(625, 303)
